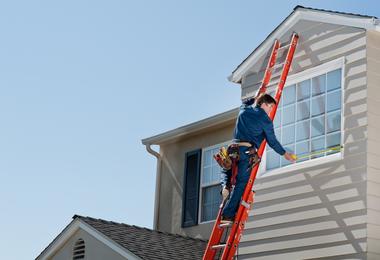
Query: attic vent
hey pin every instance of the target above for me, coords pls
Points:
(79, 249)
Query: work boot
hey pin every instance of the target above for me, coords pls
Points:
(226, 220)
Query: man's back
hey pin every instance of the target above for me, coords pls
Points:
(253, 125)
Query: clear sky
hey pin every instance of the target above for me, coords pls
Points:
(82, 82)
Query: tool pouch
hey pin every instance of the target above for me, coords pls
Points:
(233, 152)
(226, 157)
(253, 157)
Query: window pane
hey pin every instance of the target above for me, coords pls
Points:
(216, 169)
(277, 118)
(302, 149)
(288, 134)
(333, 101)
(288, 115)
(303, 130)
(333, 122)
(206, 176)
(288, 148)
(273, 160)
(318, 126)
(303, 90)
(334, 79)
(303, 110)
(317, 145)
(289, 95)
(211, 200)
(318, 85)
(333, 140)
(318, 105)
(207, 158)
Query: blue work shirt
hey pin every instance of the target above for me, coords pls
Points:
(253, 125)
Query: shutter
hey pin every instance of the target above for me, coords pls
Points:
(190, 198)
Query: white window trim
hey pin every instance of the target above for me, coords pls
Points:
(298, 77)
(208, 185)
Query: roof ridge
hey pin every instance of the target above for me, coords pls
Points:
(138, 227)
(331, 11)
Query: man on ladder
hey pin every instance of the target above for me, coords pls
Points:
(252, 126)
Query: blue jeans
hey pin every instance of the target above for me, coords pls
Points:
(242, 177)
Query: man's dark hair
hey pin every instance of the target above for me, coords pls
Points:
(265, 98)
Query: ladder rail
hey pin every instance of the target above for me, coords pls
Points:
(230, 246)
(217, 230)
(238, 226)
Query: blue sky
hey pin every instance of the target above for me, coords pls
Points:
(82, 82)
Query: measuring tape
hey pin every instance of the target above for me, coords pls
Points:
(335, 148)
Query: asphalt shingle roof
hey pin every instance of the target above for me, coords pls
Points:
(146, 243)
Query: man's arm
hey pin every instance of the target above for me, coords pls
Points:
(271, 137)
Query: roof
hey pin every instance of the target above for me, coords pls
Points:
(130, 241)
(193, 128)
(146, 243)
(304, 13)
(332, 11)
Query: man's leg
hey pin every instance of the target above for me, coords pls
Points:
(242, 177)
(225, 182)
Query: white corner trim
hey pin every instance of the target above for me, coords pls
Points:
(70, 230)
(305, 14)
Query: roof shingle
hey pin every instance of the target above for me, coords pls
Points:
(147, 243)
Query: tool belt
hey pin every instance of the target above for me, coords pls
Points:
(226, 157)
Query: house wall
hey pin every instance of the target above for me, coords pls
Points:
(95, 250)
(172, 176)
(317, 211)
(373, 153)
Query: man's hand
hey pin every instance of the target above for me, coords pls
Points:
(290, 157)
(225, 193)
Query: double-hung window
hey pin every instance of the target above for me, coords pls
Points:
(210, 184)
(308, 119)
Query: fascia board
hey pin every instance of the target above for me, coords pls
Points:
(191, 128)
(107, 241)
(238, 73)
(59, 241)
(305, 14)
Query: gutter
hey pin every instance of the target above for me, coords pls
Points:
(158, 184)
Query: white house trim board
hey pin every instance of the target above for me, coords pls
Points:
(70, 230)
(370, 23)
(197, 126)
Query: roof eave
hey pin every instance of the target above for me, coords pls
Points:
(368, 23)
(192, 128)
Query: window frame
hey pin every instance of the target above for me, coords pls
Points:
(204, 149)
(296, 78)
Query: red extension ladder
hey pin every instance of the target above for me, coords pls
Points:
(233, 238)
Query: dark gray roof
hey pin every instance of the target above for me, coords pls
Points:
(335, 12)
(146, 243)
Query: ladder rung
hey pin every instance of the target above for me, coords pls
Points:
(283, 47)
(278, 65)
(220, 246)
(225, 225)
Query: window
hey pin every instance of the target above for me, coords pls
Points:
(210, 184)
(308, 118)
(79, 249)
